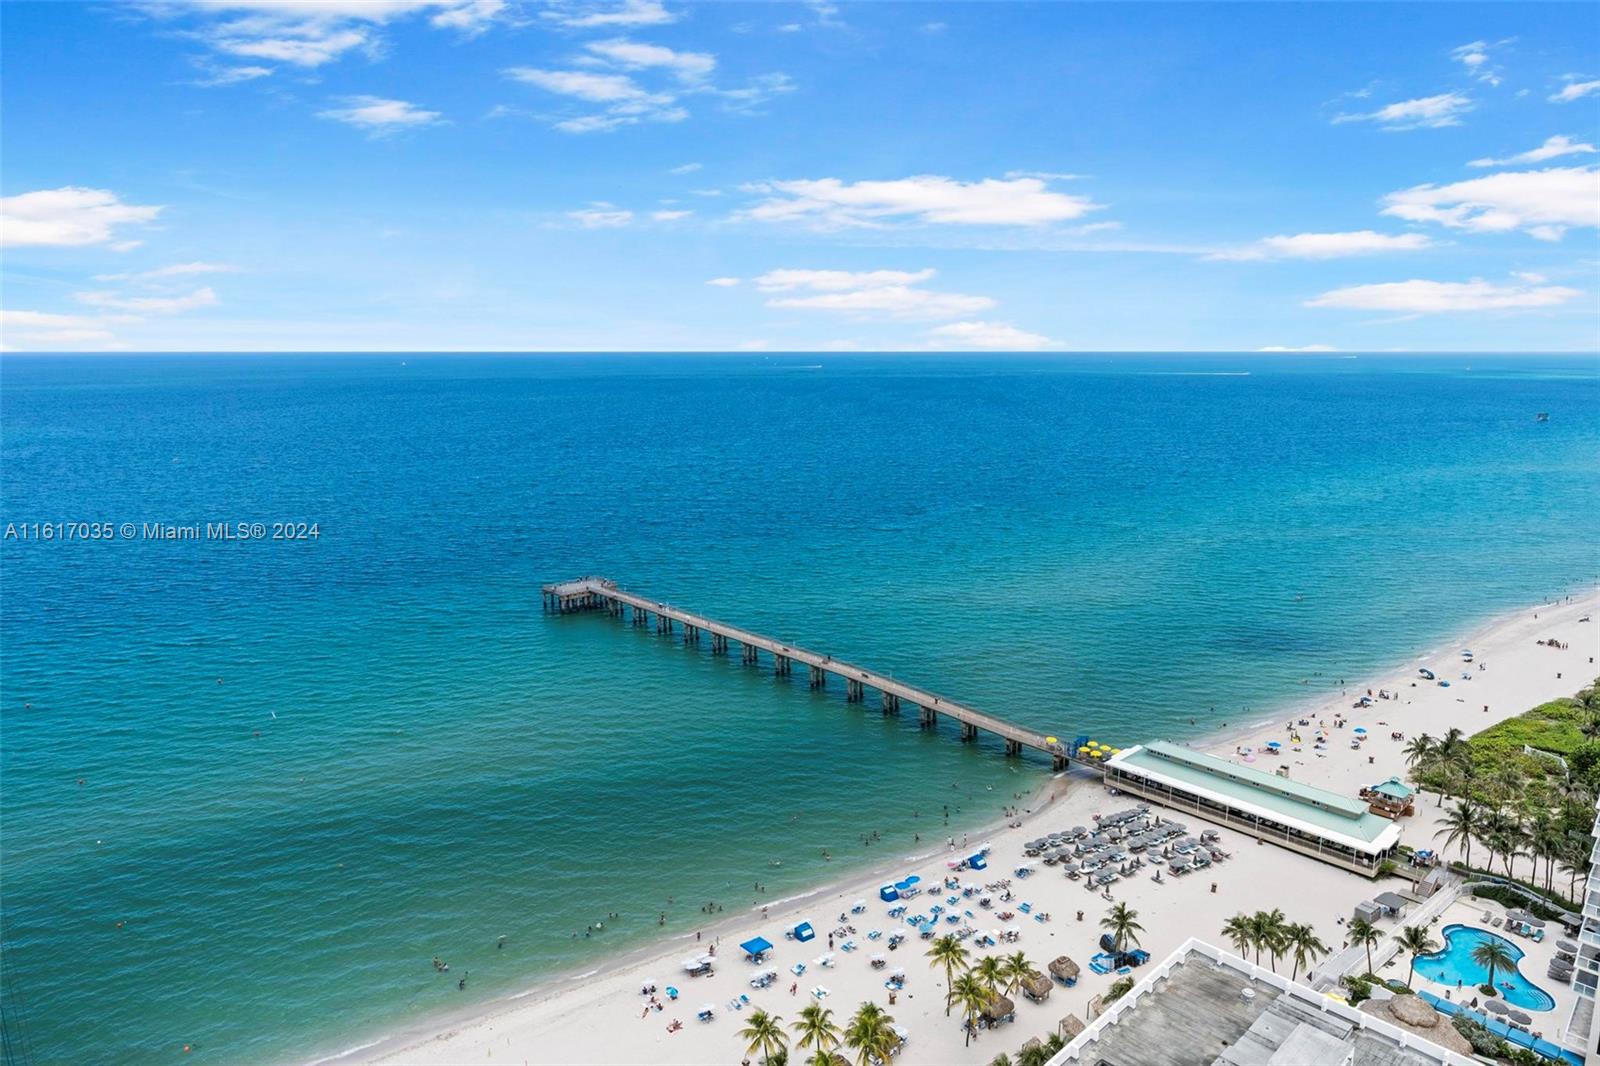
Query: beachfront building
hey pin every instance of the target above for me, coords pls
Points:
(1582, 1032)
(1205, 1005)
(1336, 829)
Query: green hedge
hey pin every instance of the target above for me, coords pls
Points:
(1512, 898)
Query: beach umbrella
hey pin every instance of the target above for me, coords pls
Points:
(1495, 1006)
(1361, 730)
(1051, 740)
(1519, 1017)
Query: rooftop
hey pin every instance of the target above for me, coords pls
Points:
(1202, 1005)
(1279, 798)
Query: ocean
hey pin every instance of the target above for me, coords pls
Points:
(249, 789)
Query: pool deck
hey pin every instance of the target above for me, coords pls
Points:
(1535, 960)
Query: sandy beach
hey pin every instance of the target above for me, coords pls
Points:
(603, 1018)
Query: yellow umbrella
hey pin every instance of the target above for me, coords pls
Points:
(1051, 740)
(1083, 750)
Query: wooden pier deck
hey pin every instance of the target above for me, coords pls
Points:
(603, 594)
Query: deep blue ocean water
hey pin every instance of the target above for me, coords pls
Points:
(249, 790)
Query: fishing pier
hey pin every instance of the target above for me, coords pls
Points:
(603, 594)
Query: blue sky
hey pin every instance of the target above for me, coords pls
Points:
(644, 175)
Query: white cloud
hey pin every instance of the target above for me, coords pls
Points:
(1428, 112)
(1298, 348)
(378, 115)
(68, 216)
(1552, 148)
(233, 75)
(893, 293)
(1541, 202)
(838, 280)
(1574, 90)
(1433, 297)
(626, 102)
(994, 336)
(669, 216)
(311, 33)
(898, 301)
(176, 270)
(1475, 57)
(637, 55)
(629, 13)
(1326, 246)
(723, 283)
(29, 328)
(928, 198)
(687, 168)
(160, 305)
(601, 215)
(762, 87)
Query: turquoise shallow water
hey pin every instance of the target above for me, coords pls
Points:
(1454, 965)
(405, 758)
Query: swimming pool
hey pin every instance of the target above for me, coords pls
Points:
(1454, 964)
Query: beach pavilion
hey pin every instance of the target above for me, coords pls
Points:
(1313, 821)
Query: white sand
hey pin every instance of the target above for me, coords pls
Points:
(599, 1019)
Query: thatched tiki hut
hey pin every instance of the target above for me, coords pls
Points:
(1063, 969)
(1037, 988)
(1000, 1009)
(1070, 1026)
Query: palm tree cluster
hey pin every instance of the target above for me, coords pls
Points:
(869, 1033)
(972, 987)
(1512, 806)
(1269, 931)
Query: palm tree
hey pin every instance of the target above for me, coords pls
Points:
(869, 1033)
(1452, 745)
(1033, 1055)
(1493, 955)
(1459, 824)
(1271, 926)
(1304, 942)
(950, 953)
(1123, 926)
(1001, 1059)
(1366, 934)
(1420, 748)
(765, 1034)
(1237, 929)
(969, 991)
(1016, 969)
(815, 1029)
(1415, 939)
(992, 972)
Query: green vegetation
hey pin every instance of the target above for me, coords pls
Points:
(1514, 807)
(1511, 898)
(1415, 941)
(1118, 989)
(1035, 1052)
(765, 1035)
(1268, 931)
(1358, 989)
(974, 987)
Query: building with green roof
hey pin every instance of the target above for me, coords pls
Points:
(1314, 821)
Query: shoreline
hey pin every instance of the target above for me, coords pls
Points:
(1045, 795)
(1053, 792)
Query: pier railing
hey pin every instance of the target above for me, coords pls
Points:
(603, 594)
